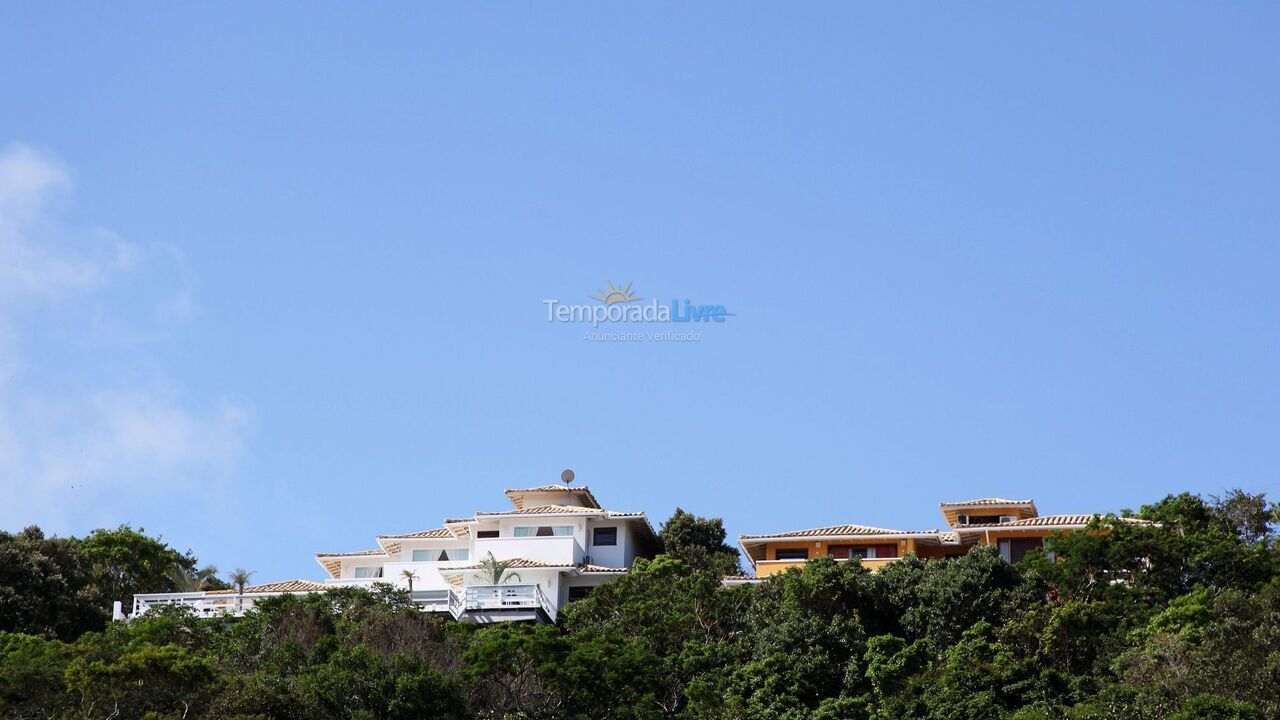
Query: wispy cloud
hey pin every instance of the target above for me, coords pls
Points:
(73, 434)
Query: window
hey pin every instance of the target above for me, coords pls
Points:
(441, 555)
(1015, 549)
(980, 519)
(578, 593)
(604, 536)
(369, 572)
(543, 530)
(482, 534)
(865, 552)
(792, 553)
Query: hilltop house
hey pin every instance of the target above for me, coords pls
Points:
(1013, 526)
(557, 543)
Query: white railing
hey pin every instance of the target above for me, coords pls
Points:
(455, 602)
(206, 605)
(560, 549)
(432, 600)
(456, 605)
(202, 604)
(355, 582)
(507, 597)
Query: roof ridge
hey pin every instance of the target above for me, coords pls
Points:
(356, 553)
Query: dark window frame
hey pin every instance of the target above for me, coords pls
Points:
(791, 553)
(595, 536)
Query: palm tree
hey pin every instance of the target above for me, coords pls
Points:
(240, 577)
(410, 576)
(495, 570)
(192, 580)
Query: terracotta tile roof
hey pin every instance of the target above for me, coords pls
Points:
(517, 496)
(512, 564)
(357, 553)
(991, 501)
(284, 586)
(837, 531)
(546, 510)
(599, 569)
(434, 533)
(1054, 521)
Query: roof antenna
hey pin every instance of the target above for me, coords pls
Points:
(566, 477)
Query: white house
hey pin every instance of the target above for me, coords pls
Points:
(556, 542)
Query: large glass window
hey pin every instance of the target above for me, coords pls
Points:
(441, 554)
(369, 572)
(543, 530)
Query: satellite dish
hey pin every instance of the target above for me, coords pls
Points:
(566, 477)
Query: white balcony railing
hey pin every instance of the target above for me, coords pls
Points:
(563, 549)
(355, 582)
(505, 597)
(202, 604)
(230, 604)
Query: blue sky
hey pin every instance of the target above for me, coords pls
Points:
(271, 279)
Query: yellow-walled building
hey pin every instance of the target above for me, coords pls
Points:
(1014, 526)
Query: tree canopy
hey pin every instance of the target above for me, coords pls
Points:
(1177, 619)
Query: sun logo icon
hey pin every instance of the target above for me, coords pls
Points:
(615, 294)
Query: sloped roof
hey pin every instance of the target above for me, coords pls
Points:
(512, 564)
(837, 531)
(357, 553)
(990, 502)
(600, 569)
(421, 534)
(282, 586)
(1053, 521)
(517, 496)
(546, 510)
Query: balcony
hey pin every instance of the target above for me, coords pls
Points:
(765, 568)
(561, 549)
(494, 603)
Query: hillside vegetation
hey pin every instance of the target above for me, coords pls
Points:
(1179, 620)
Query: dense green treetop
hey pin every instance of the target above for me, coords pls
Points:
(1176, 618)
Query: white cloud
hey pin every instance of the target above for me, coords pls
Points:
(87, 433)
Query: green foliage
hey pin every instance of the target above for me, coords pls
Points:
(699, 543)
(1174, 619)
(47, 586)
(126, 561)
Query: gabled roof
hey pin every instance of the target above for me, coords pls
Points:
(356, 553)
(512, 564)
(547, 510)
(590, 569)
(1072, 521)
(283, 586)
(518, 497)
(989, 502)
(442, 533)
(332, 562)
(836, 531)
(527, 564)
